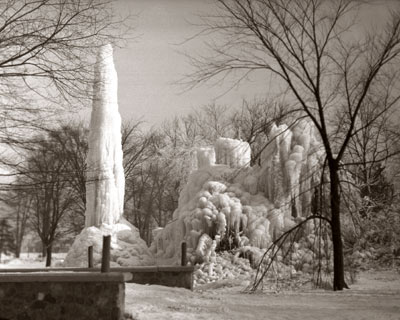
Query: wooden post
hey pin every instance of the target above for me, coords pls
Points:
(105, 259)
(183, 254)
(90, 257)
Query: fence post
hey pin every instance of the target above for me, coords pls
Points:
(183, 254)
(105, 258)
(90, 257)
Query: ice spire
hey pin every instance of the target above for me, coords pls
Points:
(105, 185)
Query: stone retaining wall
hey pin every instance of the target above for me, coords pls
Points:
(170, 276)
(83, 295)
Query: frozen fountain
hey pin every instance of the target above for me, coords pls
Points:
(227, 200)
(225, 203)
(105, 184)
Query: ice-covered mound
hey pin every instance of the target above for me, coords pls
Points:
(231, 269)
(127, 248)
(225, 266)
(306, 258)
(227, 204)
(218, 209)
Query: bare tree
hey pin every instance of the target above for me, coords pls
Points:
(49, 173)
(213, 122)
(135, 145)
(252, 122)
(19, 204)
(329, 67)
(46, 56)
(48, 179)
(6, 239)
(72, 146)
(370, 151)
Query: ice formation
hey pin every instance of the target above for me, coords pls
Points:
(227, 203)
(105, 184)
(232, 152)
(127, 248)
(205, 157)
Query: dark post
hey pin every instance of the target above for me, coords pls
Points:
(90, 257)
(105, 259)
(183, 254)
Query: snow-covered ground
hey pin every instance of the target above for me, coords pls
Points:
(376, 295)
(30, 260)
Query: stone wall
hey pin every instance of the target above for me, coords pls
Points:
(61, 296)
(170, 276)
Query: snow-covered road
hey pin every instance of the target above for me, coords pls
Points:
(375, 296)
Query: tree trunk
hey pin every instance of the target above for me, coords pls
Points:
(44, 252)
(18, 244)
(48, 255)
(17, 235)
(338, 266)
(21, 232)
(1, 238)
(17, 249)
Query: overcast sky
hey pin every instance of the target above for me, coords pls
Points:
(150, 65)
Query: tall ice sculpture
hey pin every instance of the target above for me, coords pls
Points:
(105, 184)
(105, 181)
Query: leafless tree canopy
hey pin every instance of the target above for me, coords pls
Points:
(47, 50)
(330, 65)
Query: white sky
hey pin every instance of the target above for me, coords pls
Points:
(148, 67)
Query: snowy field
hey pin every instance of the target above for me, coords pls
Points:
(30, 260)
(375, 295)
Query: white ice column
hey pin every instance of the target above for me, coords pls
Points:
(105, 185)
(205, 157)
(232, 152)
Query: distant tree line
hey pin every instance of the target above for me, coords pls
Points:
(46, 193)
